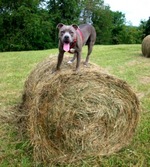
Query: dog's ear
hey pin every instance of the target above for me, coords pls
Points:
(75, 26)
(59, 25)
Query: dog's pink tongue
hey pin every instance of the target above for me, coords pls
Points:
(66, 47)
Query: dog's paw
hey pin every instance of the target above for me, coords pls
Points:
(72, 50)
(85, 64)
(54, 70)
(69, 62)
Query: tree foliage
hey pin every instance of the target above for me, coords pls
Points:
(102, 21)
(24, 26)
(31, 24)
(146, 27)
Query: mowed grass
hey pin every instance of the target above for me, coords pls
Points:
(123, 61)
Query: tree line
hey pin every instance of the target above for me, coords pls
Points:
(31, 24)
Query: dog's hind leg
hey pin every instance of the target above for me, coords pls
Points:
(90, 47)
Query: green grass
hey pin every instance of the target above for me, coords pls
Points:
(123, 61)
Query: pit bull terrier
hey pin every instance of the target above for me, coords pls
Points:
(72, 38)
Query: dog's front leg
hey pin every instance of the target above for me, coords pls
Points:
(72, 60)
(60, 58)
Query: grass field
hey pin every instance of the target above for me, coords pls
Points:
(123, 61)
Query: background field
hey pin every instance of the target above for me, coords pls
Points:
(123, 61)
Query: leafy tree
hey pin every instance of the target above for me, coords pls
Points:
(64, 11)
(102, 21)
(147, 28)
(118, 26)
(129, 35)
(24, 26)
(88, 7)
(142, 28)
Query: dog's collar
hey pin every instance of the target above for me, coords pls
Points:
(73, 43)
(75, 40)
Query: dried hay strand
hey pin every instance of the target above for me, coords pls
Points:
(146, 46)
(74, 116)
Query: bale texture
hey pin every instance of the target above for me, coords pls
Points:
(146, 46)
(73, 116)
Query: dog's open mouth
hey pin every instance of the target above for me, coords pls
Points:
(66, 47)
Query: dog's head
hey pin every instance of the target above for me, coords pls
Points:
(67, 35)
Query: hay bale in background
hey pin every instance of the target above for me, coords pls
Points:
(146, 46)
(74, 116)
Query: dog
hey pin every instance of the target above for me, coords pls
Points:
(72, 38)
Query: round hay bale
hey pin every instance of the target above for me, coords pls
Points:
(146, 46)
(73, 116)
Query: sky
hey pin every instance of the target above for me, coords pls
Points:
(134, 10)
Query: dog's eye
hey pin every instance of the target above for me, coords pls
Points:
(62, 32)
(71, 33)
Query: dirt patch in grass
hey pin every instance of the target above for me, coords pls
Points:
(145, 80)
(138, 61)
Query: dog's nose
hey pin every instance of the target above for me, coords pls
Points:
(66, 37)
